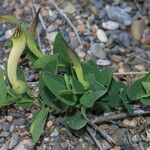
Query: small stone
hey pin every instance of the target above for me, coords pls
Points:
(121, 37)
(133, 122)
(81, 54)
(94, 10)
(146, 40)
(19, 122)
(49, 124)
(116, 148)
(106, 145)
(117, 136)
(110, 25)
(25, 145)
(98, 51)
(51, 36)
(137, 29)
(74, 42)
(52, 28)
(70, 9)
(101, 34)
(140, 67)
(148, 134)
(116, 58)
(2, 140)
(9, 118)
(101, 62)
(4, 134)
(118, 14)
(9, 33)
(104, 126)
(55, 133)
(12, 128)
(13, 141)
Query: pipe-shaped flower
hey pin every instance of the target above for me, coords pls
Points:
(31, 37)
(19, 43)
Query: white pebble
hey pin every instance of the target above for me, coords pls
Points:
(101, 34)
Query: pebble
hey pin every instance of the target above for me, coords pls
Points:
(94, 10)
(51, 36)
(25, 145)
(70, 9)
(106, 145)
(52, 28)
(101, 62)
(4, 134)
(55, 133)
(117, 136)
(49, 124)
(74, 42)
(9, 33)
(101, 34)
(19, 122)
(140, 67)
(121, 37)
(110, 25)
(118, 14)
(9, 118)
(116, 58)
(98, 51)
(13, 141)
(146, 40)
(137, 29)
(133, 122)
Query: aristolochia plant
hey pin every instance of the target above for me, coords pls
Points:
(70, 87)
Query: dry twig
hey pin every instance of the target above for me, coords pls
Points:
(118, 116)
(68, 20)
(101, 132)
(94, 138)
(129, 73)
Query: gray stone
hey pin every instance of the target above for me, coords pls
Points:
(110, 25)
(19, 122)
(13, 141)
(6, 126)
(70, 9)
(4, 134)
(74, 42)
(25, 145)
(2, 139)
(52, 28)
(12, 128)
(98, 51)
(118, 14)
(101, 62)
(121, 37)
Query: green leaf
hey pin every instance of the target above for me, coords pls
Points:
(145, 101)
(136, 90)
(97, 90)
(38, 124)
(43, 61)
(56, 84)
(49, 98)
(113, 96)
(60, 48)
(3, 89)
(76, 121)
(146, 86)
(25, 101)
(103, 76)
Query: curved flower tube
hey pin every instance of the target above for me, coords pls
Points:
(19, 43)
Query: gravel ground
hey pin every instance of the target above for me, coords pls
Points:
(113, 33)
